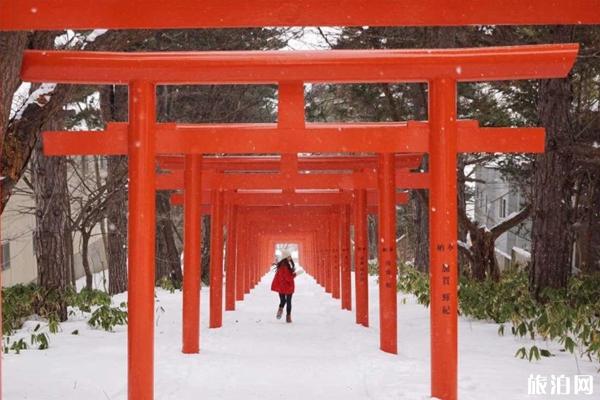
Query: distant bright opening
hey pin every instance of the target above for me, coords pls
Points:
(291, 247)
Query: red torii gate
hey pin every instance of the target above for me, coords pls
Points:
(442, 137)
(288, 177)
(291, 173)
(310, 203)
(287, 199)
(59, 14)
(333, 269)
(293, 219)
(288, 167)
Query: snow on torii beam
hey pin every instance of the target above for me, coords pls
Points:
(159, 14)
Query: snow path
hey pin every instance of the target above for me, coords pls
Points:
(323, 354)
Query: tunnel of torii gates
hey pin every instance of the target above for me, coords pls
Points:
(294, 183)
(249, 203)
(441, 137)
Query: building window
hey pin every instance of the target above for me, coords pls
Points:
(502, 212)
(5, 256)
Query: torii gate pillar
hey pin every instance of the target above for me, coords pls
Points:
(216, 261)
(443, 235)
(335, 254)
(241, 257)
(387, 255)
(230, 259)
(361, 275)
(141, 240)
(192, 234)
(346, 277)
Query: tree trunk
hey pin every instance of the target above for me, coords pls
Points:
(72, 264)
(587, 227)
(481, 255)
(205, 249)
(372, 236)
(421, 220)
(168, 261)
(483, 251)
(116, 219)
(463, 261)
(19, 139)
(420, 197)
(553, 186)
(113, 103)
(85, 241)
(12, 45)
(52, 246)
(593, 254)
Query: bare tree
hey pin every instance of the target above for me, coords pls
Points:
(113, 104)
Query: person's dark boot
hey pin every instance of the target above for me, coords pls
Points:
(279, 312)
(288, 318)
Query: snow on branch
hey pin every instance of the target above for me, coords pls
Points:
(510, 221)
(40, 96)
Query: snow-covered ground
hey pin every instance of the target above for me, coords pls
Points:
(323, 354)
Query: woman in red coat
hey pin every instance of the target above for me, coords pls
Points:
(283, 283)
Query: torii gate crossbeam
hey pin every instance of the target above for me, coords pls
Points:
(157, 14)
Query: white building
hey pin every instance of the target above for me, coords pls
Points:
(18, 257)
(18, 224)
(495, 199)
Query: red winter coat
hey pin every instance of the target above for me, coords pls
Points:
(283, 282)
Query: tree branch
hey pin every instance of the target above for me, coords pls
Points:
(511, 222)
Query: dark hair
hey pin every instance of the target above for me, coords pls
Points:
(287, 263)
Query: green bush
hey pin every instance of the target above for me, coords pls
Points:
(20, 302)
(570, 316)
(40, 338)
(497, 301)
(17, 346)
(107, 317)
(169, 284)
(373, 267)
(412, 281)
(86, 299)
(16, 306)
